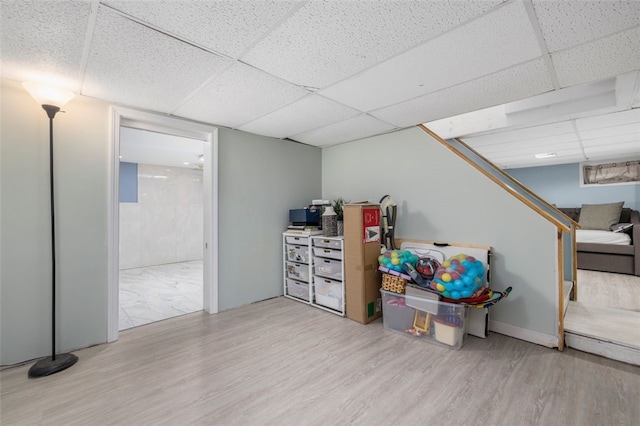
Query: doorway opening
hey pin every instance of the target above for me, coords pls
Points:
(185, 248)
(161, 226)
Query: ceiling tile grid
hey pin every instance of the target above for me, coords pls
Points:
(358, 127)
(134, 65)
(606, 57)
(40, 42)
(505, 86)
(488, 44)
(239, 95)
(326, 41)
(566, 24)
(228, 27)
(311, 112)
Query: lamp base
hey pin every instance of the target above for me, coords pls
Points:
(48, 365)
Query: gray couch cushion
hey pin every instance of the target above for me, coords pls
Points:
(600, 216)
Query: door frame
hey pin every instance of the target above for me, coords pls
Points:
(178, 127)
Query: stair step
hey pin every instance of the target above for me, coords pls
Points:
(609, 332)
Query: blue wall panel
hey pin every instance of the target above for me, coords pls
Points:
(560, 185)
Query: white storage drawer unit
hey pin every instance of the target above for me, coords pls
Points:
(314, 270)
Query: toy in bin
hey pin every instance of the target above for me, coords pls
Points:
(393, 259)
(459, 277)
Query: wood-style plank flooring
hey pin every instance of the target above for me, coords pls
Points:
(280, 362)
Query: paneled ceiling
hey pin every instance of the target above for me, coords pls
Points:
(329, 72)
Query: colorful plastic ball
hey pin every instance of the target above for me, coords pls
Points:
(455, 295)
(457, 284)
(440, 287)
(446, 277)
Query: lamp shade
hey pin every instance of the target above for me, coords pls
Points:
(48, 95)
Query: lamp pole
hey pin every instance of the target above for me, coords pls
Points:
(55, 362)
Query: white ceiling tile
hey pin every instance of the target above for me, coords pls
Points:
(611, 140)
(495, 41)
(626, 129)
(228, 27)
(239, 95)
(569, 23)
(525, 145)
(607, 57)
(311, 112)
(43, 41)
(528, 161)
(326, 41)
(358, 127)
(608, 120)
(520, 149)
(137, 66)
(561, 129)
(630, 148)
(505, 86)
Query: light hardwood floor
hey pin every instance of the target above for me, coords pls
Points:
(280, 362)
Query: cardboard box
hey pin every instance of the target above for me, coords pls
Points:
(361, 250)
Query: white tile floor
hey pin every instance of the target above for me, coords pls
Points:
(159, 292)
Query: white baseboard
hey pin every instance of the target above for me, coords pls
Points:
(602, 348)
(524, 334)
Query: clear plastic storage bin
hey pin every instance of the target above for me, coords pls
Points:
(437, 322)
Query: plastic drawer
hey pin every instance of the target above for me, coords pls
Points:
(298, 289)
(297, 253)
(328, 253)
(327, 268)
(298, 271)
(296, 240)
(324, 243)
(328, 293)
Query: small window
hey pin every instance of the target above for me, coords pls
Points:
(621, 172)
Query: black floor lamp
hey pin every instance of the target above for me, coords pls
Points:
(51, 100)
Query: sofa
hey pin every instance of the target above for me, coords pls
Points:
(622, 259)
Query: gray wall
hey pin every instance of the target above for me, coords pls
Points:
(560, 185)
(260, 180)
(81, 152)
(441, 198)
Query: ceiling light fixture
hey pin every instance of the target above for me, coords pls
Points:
(546, 155)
